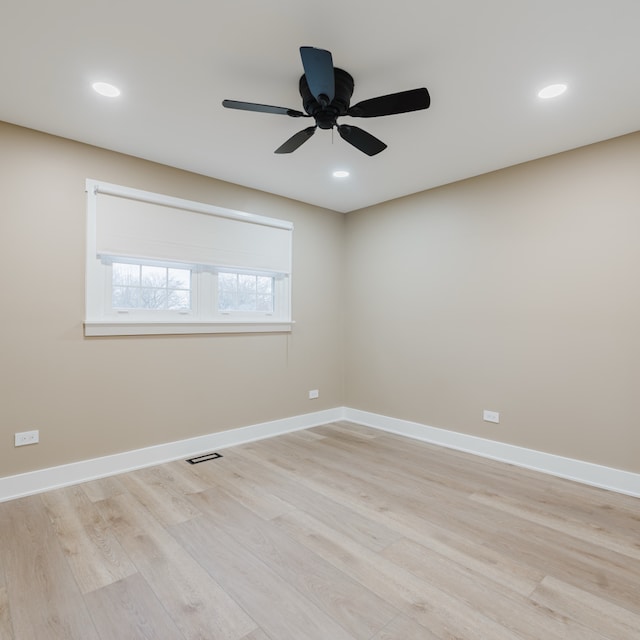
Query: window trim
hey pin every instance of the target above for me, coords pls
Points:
(166, 327)
(102, 320)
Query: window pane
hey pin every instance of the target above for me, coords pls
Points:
(246, 302)
(226, 301)
(264, 303)
(245, 292)
(179, 300)
(125, 297)
(154, 276)
(247, 283)
(126, 273)
(265, 284)
(228, 281)
(179, 278)
(151, 298)
(143, 286)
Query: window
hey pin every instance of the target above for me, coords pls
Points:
(145, 286)
(157, 264)
(245, 292)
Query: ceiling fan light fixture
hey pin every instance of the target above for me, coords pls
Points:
(552, 91)
(326, 96)
(105, 89)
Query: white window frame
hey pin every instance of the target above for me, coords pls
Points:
(204, 317)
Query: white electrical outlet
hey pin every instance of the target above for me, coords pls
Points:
(27, 437)
(491, 416)
(313, 394)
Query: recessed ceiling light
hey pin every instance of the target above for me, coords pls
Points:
(106, 89)
(552, 91)
(340, 174)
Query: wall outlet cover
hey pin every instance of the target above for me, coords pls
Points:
(491, 416)
(27, 437)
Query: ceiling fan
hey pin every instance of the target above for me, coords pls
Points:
(326, 93)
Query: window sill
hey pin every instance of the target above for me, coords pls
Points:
(145, 328)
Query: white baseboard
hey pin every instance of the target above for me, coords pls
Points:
(584, 472)
(56, 477)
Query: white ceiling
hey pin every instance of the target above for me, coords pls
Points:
(482, 61)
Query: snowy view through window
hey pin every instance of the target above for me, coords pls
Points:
(245, 292)
(139, 286)
(143, 286)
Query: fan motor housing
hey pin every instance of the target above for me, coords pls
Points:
(326, 117)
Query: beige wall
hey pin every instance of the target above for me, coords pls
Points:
(96, 396)
(517, 291)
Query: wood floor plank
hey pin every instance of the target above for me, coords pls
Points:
(245, 485)
(93, 553)
(408, 513)
(591, 564)
(159, 495)
(342, 482)
(306, 435)
(395, 522)
(444, 615)
(474, 556)
(353, 606)
(516, 612)
(604, 535)
(616, 623)
(194, 600)
(402, 628)
(342, 472)
(594, 566)
(462, 471)
(44, 599)
(181, 476)
(504, 532)
(129, 609)
(286, 486)
(277, 607)
(103, 488)
(6, 627)
(402, 473)
(595, 569)
(258, 634)
(554, 494)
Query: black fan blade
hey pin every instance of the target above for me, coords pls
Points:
(263, 108)
(402, 102)
(360, 139)
(296, 141)
(318, 69)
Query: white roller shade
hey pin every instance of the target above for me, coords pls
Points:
(136, 224)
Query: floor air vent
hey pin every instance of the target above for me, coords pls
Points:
(204, 458)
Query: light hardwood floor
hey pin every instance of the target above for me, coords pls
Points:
(335, 533)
